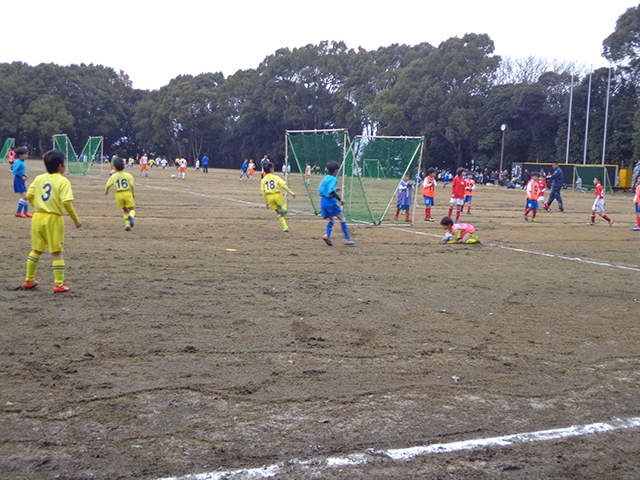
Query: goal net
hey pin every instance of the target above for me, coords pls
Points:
(588, 172)
(8, 143)
(307, 155)
(373, 169)
(89, 157)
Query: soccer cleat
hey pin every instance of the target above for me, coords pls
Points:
(534, 220)
(526, 219)
(327, 240)
(590, 223)
(546, 207)
(348, 241)
(468, 213)
(28, 215)
(285, 229)
(636, 229)
(20, 215)
(431, 220)
(456, 222)
(30, 284)
(131, 221)
(610, 222)
(60, 288)
(127, 228)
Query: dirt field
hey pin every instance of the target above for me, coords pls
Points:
(172, 355)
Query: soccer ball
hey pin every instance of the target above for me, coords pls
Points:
(173, 176)
(447, 236)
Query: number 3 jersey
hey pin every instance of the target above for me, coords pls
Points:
(48, 192)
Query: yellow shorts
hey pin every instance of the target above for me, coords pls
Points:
(125, 200)
(47, 229)
(276, 203)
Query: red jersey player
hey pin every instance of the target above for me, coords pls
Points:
(598, 203)
(458, 185)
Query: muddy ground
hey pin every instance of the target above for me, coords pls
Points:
(207, 339)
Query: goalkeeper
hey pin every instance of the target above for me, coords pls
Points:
(458, 233)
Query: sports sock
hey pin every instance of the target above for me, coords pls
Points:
(427, 212)
(469, 209)
(407, 216)
(58, 272)
(345, 229)
(638, 218)
(329, 228)
(32, 265)
(526, 212)
(533, 215)
(126, 220)
(457, 214)
(282, 221)
(132, 213)
(606, 217)
(397, 212)
(450, 212)
(593, 218)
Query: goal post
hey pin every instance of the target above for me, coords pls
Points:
(8, 144)
(588, 172)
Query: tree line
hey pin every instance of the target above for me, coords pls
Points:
(457, 95)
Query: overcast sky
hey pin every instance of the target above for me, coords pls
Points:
(154, 42)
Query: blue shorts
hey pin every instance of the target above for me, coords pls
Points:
(18, 185)
(428, 201)
(329, 207)
(638, 208)
(532, 204)
(403, 207)
(468, 199)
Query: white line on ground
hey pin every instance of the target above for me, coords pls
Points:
(403, 454)
(533, 252)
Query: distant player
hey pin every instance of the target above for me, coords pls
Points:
(50, 193)
(144, 165)
(251, 168)
(533, 195)
(470, 186)
(19, 171)
(125, 194)
(636, 201)
(403, 204)
(307, 174)
(197, 165)
(182, 168)
(458, 185)
(271, 186)
(244, 168)
(429, 193)
(598, 203)
(542, 187)
(458, 233)
(11, 157)
(330, 203)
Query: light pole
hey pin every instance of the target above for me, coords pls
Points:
(503, 127)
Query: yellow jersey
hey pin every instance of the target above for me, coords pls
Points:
(272, 184)
(123, 182)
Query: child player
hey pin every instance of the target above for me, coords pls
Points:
(125, 194)
(404, 198)
(533, 194)
(459, 233)
(251, 168)
(50, 193)
(19, 171)
(271, 186)
(636, 201)
(458, 185)
(542, 187)
(429, 193)
(598, 203)
(330, 203)
(470, 186)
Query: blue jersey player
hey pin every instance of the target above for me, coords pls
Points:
(330, 203)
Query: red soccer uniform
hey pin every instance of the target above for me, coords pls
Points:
(599, 191)
(458, 186)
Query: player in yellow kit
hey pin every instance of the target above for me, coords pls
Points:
(125, 194)
(50, 193)
(271, 186)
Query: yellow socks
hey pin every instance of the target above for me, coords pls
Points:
(283, 221)
(58, 272)
(32, 265)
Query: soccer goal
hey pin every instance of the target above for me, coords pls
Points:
(588, 172)
(80, 165)
(373, 169)
(8, 143)
(307, 152)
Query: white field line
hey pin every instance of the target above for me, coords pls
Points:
(533, 252)
(402, 454)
